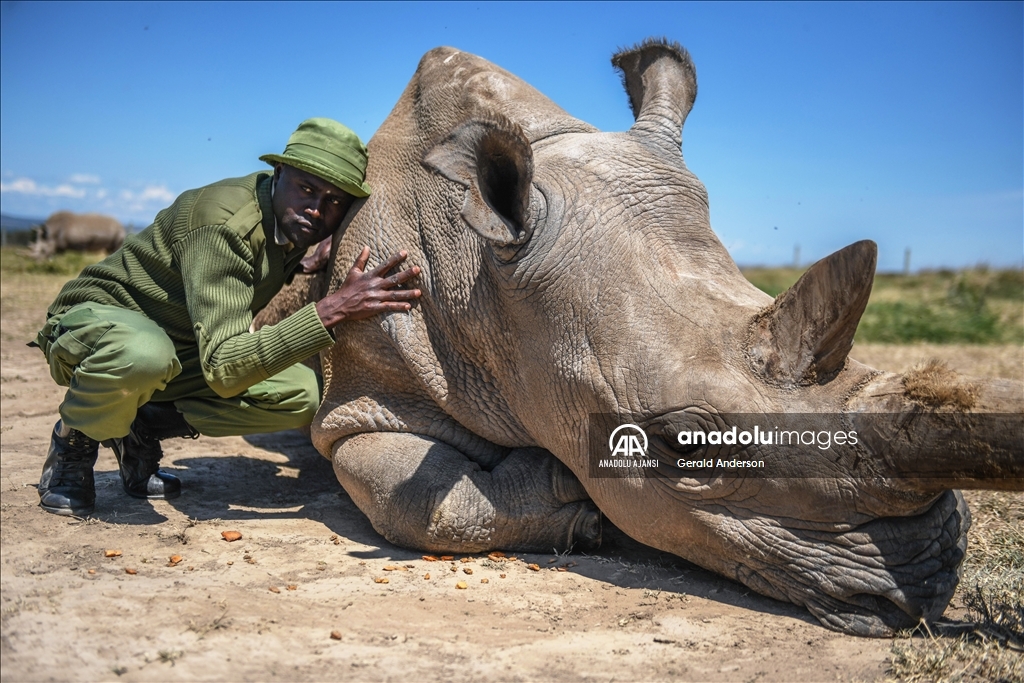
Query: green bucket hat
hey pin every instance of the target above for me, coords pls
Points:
(328, 150)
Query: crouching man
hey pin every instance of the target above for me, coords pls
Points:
(154, 341)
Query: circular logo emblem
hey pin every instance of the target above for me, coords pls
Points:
(628, 440)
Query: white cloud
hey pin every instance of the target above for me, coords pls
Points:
(156, 193)
(150, 193)
(142, 204)
(31, 187)
(83, 193)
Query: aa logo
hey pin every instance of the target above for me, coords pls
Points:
(628, 441)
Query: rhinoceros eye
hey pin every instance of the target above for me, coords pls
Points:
(683, 432)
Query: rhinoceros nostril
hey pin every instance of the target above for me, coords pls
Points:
(863, 615)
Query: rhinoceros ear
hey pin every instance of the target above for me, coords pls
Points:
(493, 160)
(805, 336)
(661, 82)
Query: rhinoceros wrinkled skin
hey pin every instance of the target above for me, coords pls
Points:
(67, 231)
(568, 273)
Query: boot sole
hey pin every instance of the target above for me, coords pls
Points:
(69, 512)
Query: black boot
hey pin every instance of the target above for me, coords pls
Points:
(138, 454)
(67, 486)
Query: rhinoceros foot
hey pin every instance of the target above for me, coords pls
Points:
(586, 531)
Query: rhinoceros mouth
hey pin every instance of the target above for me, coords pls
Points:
(859, 572)
(877, 578)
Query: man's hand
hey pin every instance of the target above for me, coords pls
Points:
(366, 293)
(316, 261)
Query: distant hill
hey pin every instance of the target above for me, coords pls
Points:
(16, 231)
(16, 223)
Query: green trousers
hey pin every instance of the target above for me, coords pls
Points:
(114, 360)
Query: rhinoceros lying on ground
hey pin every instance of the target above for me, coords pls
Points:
(569, 273)
(65, 231)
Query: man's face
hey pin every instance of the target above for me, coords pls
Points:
(308, 208)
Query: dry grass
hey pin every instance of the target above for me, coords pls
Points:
(934, 384)
(997, 531)
(28, 286)
(1005, 361)
(987, 642)
(965, 658)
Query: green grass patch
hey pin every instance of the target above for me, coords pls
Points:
(773, 281)
(70, 263)
(974, 306)
(898, 322)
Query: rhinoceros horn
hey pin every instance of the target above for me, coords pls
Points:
(805, 336)
(493, 160)
(661, 82)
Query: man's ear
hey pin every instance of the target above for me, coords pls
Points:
(277, 171)
(493, 160)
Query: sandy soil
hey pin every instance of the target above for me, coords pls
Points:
(309, 564)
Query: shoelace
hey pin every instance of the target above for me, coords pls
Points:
(71, 469)
(77, 439)
(146, 449)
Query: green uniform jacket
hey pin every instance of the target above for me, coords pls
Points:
(201, 271)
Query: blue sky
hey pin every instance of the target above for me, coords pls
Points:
(815, 124)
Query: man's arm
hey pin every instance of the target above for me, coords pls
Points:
(217, 272)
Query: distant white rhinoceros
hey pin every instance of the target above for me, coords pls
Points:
(67, 231)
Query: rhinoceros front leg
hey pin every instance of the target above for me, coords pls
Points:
(421, 493)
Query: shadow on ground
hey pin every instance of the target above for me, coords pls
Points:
(237, 487)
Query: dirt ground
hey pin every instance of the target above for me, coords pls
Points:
(311, 592)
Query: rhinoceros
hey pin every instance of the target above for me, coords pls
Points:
(64, 231)
(571, 276)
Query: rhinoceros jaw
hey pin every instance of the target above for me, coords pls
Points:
(805, 336)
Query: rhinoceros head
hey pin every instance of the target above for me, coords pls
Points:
(570, 273)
